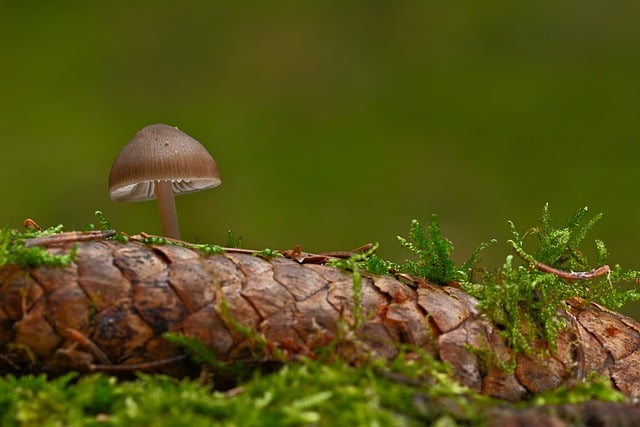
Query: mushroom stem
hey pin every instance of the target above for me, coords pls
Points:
(167, 209)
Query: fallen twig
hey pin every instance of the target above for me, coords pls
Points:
(69, 237)
(574, 275)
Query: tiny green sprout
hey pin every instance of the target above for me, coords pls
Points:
(260, 346)
(465, 272)
(232, 241)
(102, 219)
(105, 224)
(196, 349)
(355, 263)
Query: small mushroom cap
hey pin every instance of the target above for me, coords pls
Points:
(161, 153)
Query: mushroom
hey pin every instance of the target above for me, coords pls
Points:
(159, 162)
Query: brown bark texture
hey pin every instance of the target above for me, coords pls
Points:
(109, 308)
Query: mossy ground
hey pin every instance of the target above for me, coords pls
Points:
(414, 390)
(407, 393)
(308, 393)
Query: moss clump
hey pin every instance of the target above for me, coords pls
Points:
(14, 251)
(432, 257)
(412, 390)
(306, 393)
(594, 387)
(525, 299)
(432, 251)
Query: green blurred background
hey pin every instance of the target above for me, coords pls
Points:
(333, 123)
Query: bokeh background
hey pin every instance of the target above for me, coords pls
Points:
(333, 123)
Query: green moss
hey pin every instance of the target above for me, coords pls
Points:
(232, 241)
(196, 349)
(14, 251)
(562, 248)
(307, 393)
(413, 389)
(105, 224)
(594, 387)
(432, 251)
(432, 257)
(521, 299)
(524, 301)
